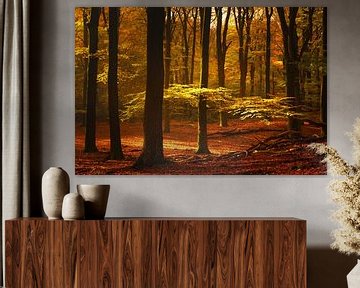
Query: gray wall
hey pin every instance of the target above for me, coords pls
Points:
(52, 124)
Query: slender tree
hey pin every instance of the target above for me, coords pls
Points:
(269, 13)
(152, 152)
(261, 74)
(85, 44)
(290, 41)
(252, 77)
(90, 133)
(221, 49)
(323, 105)
(243, 18)
(305, 70)
(183, 14)
(249, 15)
(204, 79)
(239, 16)
(168, 39)
(113, 102)
(195, 12)
(292, 57)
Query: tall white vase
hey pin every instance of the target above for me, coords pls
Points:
(55, 185)
(353, 278)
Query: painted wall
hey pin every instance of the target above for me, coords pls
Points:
(52, 122)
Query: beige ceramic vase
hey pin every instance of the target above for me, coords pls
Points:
(73, 207)
(55, 185)
(96, 198)
(353, 278)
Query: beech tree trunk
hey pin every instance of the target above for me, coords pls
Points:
(221, 49)
(249, 14)
(85, 44)
(90, 132)
(193, 50)
(324, 74)
(167, 47)
(243, 18)
(243, 71)
(113, 102)
(292, 57)
(239, 16)
(252, 78)
(261, 77)
(186, 48)
(168, 40)
(293, 81)
(290, 41)
(202, 109)
(268, 12)
(152, 152)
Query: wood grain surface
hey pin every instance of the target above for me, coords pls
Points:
(242, 253)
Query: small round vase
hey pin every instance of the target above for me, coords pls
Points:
(55, 185)
(96, 198)
(73, 207)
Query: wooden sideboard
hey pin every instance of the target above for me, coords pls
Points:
(156, 252)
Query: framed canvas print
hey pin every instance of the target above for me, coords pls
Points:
(200, 90)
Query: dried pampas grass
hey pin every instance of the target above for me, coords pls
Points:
(345, 192)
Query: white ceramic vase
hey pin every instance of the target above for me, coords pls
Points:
(73, 207)
(353, 278)
(55, 185)
(96, 198)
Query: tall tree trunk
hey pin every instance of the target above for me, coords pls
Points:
(252, 78)
(193, 50)
(290, 41)
(167, 47)
(248, 17)
(176, 77)
(205, 41)
(221, 49)
(302, 81)
(292, 58)
(113, 102)
(292, 70)
(90, 133)
(243, 71)
(324, 74)
(268, 12)
(239, 16)
(304, 71)
(186, 48)
(167, 68)
(153, 152)
(243, 18)
(86, 45)
(261, 77)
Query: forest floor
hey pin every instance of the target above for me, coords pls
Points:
(244, 147)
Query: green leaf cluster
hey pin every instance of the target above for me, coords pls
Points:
(180, 98)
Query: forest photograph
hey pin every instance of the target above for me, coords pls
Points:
(200, 90)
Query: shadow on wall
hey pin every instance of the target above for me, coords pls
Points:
(328, 268)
